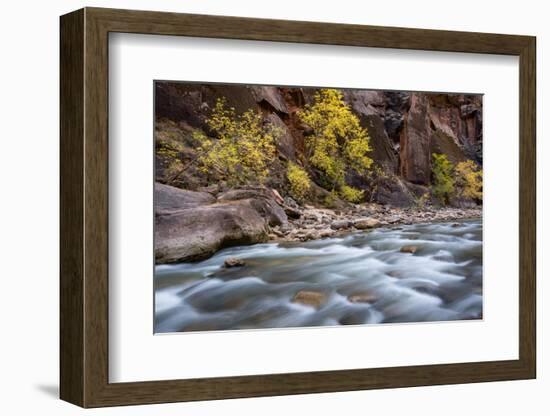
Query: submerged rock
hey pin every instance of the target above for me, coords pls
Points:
(363, 297)
(233, 262)
(409, 249)
(358, 317)
(311, 298)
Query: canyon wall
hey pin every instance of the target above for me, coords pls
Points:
(405, 128)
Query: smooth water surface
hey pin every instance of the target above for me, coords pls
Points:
(363, 277)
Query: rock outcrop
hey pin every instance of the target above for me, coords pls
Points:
(415, 142)
(192, 226)
(263, 200)
(370, 106)
(393, 191)
(169, 198)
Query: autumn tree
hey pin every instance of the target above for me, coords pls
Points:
(443, 178)
(240, 150)
(469, 180)
(298, 178)
(338, 141)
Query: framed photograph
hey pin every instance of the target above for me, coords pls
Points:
(255, 207)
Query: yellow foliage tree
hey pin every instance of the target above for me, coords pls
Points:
(351, 194)
(443, 179)
(338, 140)
(243, 149)
(299, 181)
(469, 179)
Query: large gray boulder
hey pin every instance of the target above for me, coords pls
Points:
(197, 233)
(393, 191)
(262, 199)
(169, 198)
(192, 226)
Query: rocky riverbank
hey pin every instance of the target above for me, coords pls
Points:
(314, 223)
(192, 226)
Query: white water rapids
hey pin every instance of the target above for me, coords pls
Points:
(441, 281)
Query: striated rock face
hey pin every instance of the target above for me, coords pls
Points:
(191, 226)
(270, 96)
(415, 157)
(438, 123)
(191, 102)
(285, 145)
(455, 122)
(397, 104)
(366, 102)
(382, 149)
(471, 133)
(370, 106)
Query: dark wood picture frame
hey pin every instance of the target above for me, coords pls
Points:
(84, 207)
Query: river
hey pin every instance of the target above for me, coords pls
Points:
(364, 278)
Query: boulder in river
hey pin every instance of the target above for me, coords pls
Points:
(311, 298)
(233, 262)
(189, 227)
(362, 297)
(365, 223)
(264, 201)
(409, 249)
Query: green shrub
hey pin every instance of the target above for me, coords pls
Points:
(351, 194)
(331, 199)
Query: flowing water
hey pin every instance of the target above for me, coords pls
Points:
(363, 278)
